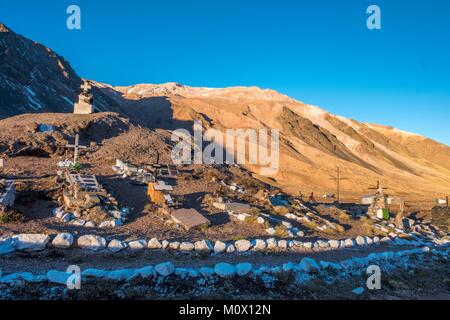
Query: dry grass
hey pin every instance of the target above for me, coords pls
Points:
(281, 211)
(11, 216)
(281, 231)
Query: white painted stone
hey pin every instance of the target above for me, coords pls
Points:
(96, 273)
(323, 244)
(360, 241)
(259, 245)
(220, 247)
(260, 220)
(67, 217)
(349, 243)
(138, 245)
(242, 245)
(165, 244)
(30, 242)
(272, 243)
(385, 239)
(165, 269)
(90, 224)
(78, 222)
(120, 275)
(334, 244)
(58, 277)
(154, 244)
(271, 231)
(206, 271)
(106, 224)
(300, 234)
(175, 245)
(231, 249)
(203, 245)
(309, 265)
(282, 244)
(225, 270)
(308, 245)
(187, 246)
(146, 272)
(91, 242)
(369, 240)
(376, 240)
(242, 269)
(116, 245)
(63, 240)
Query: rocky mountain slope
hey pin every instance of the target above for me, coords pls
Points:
(313, 142)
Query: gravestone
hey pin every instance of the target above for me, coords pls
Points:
(85, 101)
(189, 218)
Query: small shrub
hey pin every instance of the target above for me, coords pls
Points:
(11, 216)
(282, 211)
(280, 231)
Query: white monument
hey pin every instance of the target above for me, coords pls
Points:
(85, 100)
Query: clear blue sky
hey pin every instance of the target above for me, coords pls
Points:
(317, 51)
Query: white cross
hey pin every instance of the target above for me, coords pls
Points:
(76, 146)
(86, 86)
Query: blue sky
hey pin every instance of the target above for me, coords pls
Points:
(319, 52)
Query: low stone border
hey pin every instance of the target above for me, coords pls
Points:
(306, 270)
(38, 242)
(118, 218)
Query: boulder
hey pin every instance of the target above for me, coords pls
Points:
(165, 269)
(225, 270)
(186, 246)
(220, 247)
(309, 265)
(203, 245)
(138, 244)
(231, 249)
(259, 245)
(165, 244)
(90, 224)
(154, 244)
(242, 245)
(30, 242)
(242, 269)
(91, 242)
(116, 245)
(63, 240)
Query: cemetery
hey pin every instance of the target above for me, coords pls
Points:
(93, 201)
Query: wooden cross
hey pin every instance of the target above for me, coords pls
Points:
(338, 179)
(76, 147)
(379, 188)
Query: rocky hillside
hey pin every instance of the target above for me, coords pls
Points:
(35, 79)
